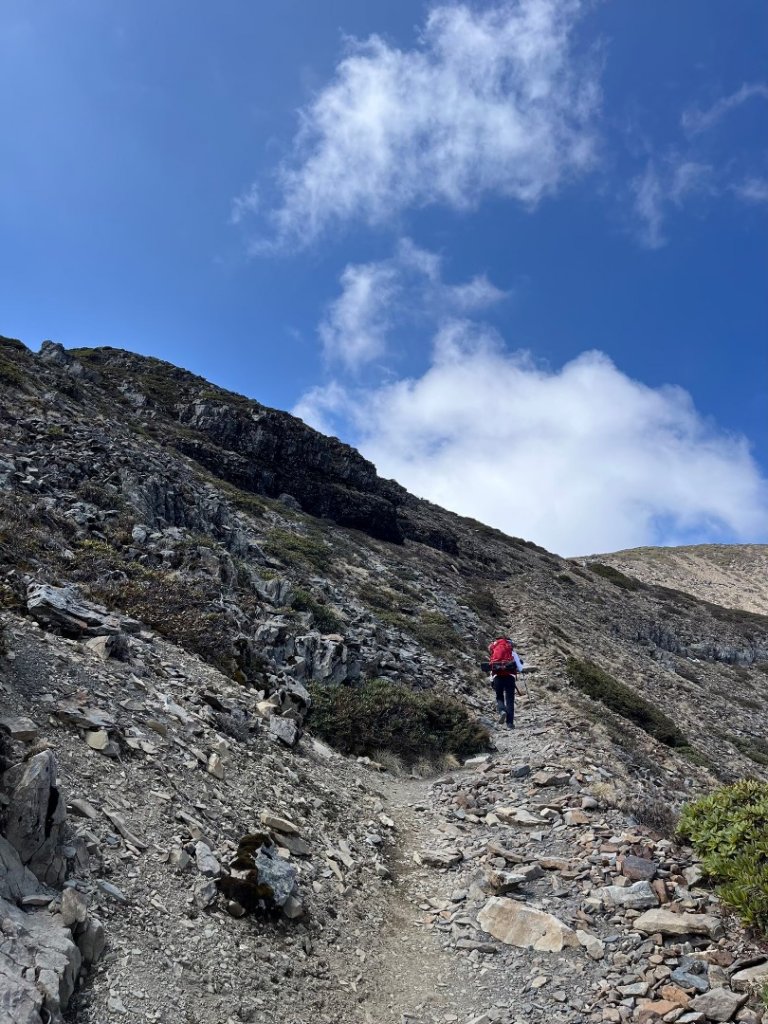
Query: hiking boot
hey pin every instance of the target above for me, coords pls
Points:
(510, 725)
(502, 717)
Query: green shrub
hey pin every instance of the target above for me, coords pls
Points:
(483, 602)
(298, 548)
(727, 830)
(623, 701)
(608, 572)
(383, 715)
(325, 618)
(563, 577)
(753, 747)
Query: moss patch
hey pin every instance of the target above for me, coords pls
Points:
(325, 618)
(298, 548)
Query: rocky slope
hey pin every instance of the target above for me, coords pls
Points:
(179, 567)
(732, 575)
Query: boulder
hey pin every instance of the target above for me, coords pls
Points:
(719, 1004)
(516, 924)
(749, 978)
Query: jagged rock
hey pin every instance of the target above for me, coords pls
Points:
(63, 610)
(669, 923)
(639, 896)
(519, 925)
(284, 729)
(16, 880)
(550, 778)
(594, 946)
(207, 864)
(258, 875)
(719, 1004)
(278, 875)
(35, 815)
(39, 965)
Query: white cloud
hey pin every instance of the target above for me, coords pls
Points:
(581, 459)
(697, 121)
(356, 324)
(491, 100)
(405, 289)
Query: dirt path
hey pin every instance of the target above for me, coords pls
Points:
(413, 974)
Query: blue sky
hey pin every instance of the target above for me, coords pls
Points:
(414, 240)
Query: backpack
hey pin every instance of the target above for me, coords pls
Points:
(502, 657)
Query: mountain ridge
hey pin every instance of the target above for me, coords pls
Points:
(181, 569)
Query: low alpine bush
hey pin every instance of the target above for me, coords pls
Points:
(383, 715)
(727, 830)
(615, 576)
(624, 701)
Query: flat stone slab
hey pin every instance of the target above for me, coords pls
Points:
(19, 728)
(516, 924)
(667, 922)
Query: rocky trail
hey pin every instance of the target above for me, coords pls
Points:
(433, 962)
(187, 578)
(511, 889)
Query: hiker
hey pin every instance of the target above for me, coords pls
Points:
(504, 665)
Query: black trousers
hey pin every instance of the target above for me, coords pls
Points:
(504, 687)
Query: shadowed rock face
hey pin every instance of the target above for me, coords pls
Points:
(257, 449)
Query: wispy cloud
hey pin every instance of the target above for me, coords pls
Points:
(696, 121)
(244, 204)
(405, 289)
(490, 101)
(662, 185)
(752, 190)
(581, 459)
